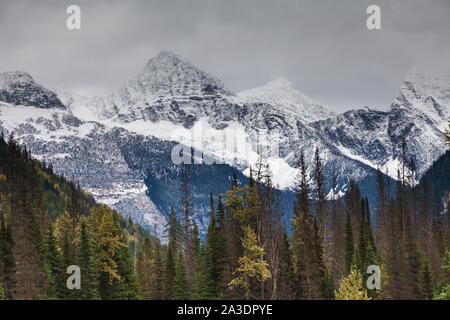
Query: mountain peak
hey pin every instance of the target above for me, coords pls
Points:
(279, 82)
(19, 88)
(169, 75)
(425, 96)
(280, 92)
(166, 54)
(9, 77)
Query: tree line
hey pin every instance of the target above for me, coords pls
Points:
(249, 250)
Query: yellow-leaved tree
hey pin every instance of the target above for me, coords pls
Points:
(352, 287)
(106, 237)
(251, 264)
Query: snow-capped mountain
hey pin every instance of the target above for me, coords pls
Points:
(154, 94)
(280, 93)
(419, 113)
(19, 88)
(120, 147)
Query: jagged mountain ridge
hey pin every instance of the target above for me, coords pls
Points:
(119, 146)
(280, 93)
(19, 88)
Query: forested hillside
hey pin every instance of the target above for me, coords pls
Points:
(48, 223)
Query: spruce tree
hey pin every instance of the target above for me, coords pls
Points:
(204, 286)
(158, 279)
(57, 285)
(8, 264)
(180, 282)
(319, 181)
(426, 282)
(172, 228)
(145, 269)
(89, 274)
(349, 245)
(212, 251)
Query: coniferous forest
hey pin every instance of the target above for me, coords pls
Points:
(48, 223)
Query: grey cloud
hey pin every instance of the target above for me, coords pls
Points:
(323, 47)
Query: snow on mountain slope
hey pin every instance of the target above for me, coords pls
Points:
(167, 77)
(420, 113)
(85, 150)
(168, 100)
(19, 88)
(280, 93)
(119, 147)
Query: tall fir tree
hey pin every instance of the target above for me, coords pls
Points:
(89, 273)
(349, 244)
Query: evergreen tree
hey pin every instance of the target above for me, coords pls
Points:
(349, 245)
(89, 274)
(57, 284)
(180, 282)
(287, 275)
(324, 282)
(319, 181)
(146, 269)
(204, 286)
(426, 282)
(7, 262)
(169, 270)
(212, 252)
(157, 292)
(187, 211)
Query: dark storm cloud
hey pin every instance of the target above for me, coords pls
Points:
(323, 47)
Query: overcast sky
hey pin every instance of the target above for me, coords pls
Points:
(322, 46)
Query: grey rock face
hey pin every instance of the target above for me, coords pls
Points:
(19, 88)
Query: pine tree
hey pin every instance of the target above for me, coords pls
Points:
(56, 273)
(8, 264)
(319, 181)
(128, 287)
(212, 251)
(443, 292)
(180, 282)
(89, 274)
(304, 247)
(321, 277)
(157, 292)
(287, 275)
(145, 269)
(349, 245)
(426, 282)
(187, 207)
(204, 286)
(169, 270)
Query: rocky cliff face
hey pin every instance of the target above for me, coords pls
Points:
(19, 88)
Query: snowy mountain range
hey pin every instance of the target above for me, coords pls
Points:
(119, 147)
